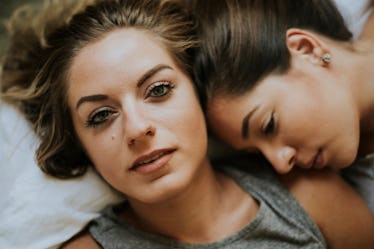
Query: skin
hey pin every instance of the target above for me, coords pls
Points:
(294, 119)
(141, 102)
(136, 121)
(133, 124)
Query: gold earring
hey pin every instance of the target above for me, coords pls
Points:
(326, 58)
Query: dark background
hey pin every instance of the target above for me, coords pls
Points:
(6, 8)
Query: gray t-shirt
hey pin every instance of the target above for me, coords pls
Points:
(280, 222)
(361, 176)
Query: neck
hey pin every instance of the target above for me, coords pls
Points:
(211, 208)
(366, 46)
(365, 89)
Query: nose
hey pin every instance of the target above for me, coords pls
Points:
(141, 134)
(283, 158)
(138, 127)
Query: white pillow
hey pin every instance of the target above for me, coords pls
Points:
(355, 13)
(38, 211)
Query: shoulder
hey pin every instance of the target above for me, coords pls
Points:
(341, 214)
(81, 241)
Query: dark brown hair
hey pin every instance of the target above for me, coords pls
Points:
(43, 44)
(244, 40)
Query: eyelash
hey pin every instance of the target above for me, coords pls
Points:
(92, 119)
(108, 112)
(164, 84)
(270, 126)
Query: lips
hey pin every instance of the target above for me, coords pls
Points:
(152, 161)
(316, 162)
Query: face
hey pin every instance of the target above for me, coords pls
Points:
(137, 115)
(292, 119)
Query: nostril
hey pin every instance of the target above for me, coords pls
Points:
(292, 161)
(149, 133)
(131, 142)
(142, 136)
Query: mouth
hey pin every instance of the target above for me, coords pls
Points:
(318, 161)
(152, 161)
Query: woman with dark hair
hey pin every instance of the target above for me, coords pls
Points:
(285, 79)
(111, 87)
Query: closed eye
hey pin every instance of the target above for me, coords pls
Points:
(270, 126)
(100, 117)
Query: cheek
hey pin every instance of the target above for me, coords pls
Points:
(108, 157)
(300, 116)
(97, 148)
(102, 147)
(191, 124)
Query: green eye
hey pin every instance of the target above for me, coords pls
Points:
(159, 89)
(99, 117)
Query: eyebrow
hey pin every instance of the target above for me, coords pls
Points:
(151, 72)
(91, 98)
(245, 123)
(142, 79)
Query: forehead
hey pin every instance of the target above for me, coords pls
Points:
(130, 48)
(120, 56)
(225, 107)
(225, 115)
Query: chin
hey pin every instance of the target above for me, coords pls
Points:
(345, 160)
(346, 152)
(166, 189)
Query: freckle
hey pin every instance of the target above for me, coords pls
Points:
(113, 137)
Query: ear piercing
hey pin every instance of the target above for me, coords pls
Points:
(326, 58)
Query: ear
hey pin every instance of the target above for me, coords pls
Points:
(306, 45)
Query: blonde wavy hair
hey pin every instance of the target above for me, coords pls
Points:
(44, 40)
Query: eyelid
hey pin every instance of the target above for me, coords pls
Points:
(267, 124)
(96, 111)
(90, 122)
(251, 150)
(157, 84)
